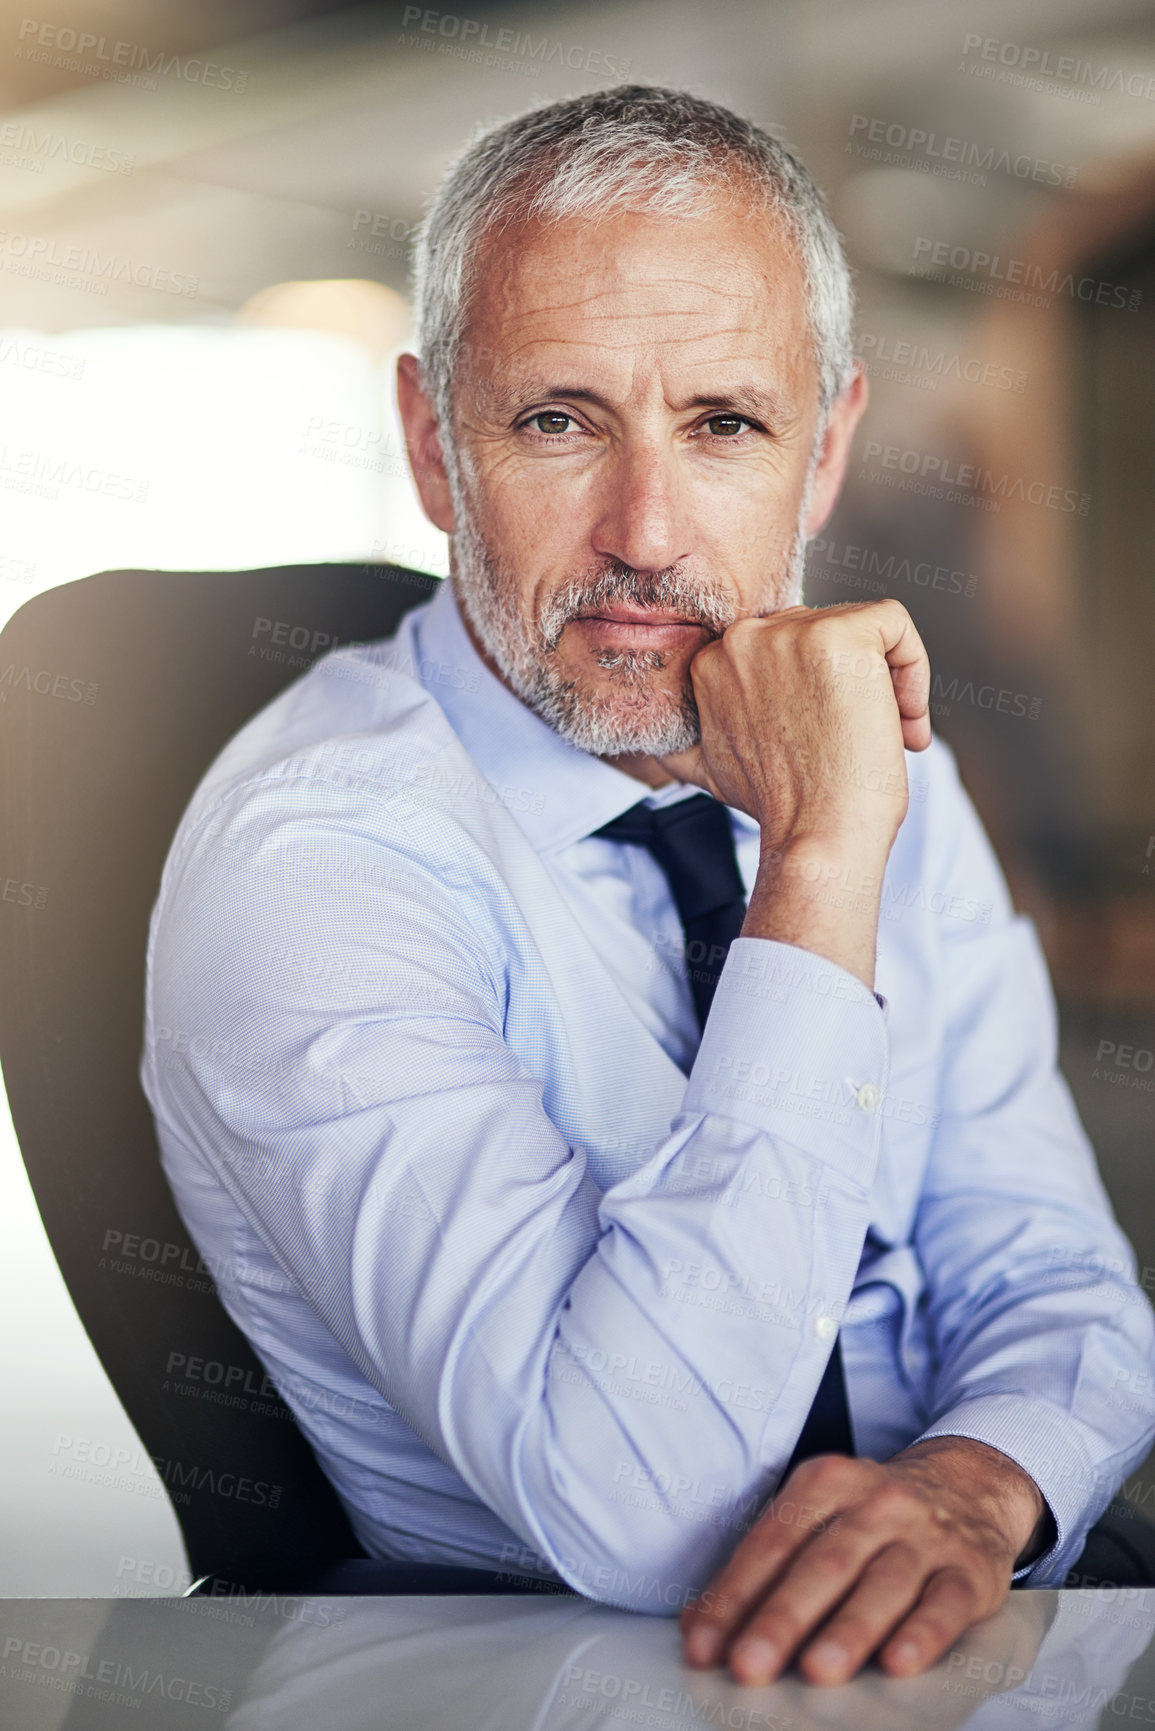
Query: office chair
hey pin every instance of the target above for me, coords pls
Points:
(116, 692)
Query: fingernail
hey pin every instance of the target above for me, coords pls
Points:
(702, 1645)
(904, 1653)
(755, 1658)
(827, 1655)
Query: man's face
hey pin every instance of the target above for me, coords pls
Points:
(634, 424)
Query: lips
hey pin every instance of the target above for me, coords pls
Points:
(648, 617)
(639, 629)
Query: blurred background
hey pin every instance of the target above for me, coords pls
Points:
(205, 220)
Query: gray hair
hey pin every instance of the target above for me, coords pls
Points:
(658, 150)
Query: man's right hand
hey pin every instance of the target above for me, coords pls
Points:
(805, 715)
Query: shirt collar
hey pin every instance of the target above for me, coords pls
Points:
(555, 792)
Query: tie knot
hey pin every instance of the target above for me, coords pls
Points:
(693, 843)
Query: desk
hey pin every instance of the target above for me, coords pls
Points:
(1072, 1659)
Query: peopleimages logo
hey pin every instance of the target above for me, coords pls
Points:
(944, 695)
(875, 139)
(909, 361)
(32, 358)
(1015, 62)
(857, 565)
(936, 256)
(944, 477)
(118, 1682)
(47, 258)
(21, 146)
(47, 44)
(474, 34)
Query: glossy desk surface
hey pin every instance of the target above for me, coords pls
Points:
(532, 1664)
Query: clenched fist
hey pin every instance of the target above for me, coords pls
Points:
(805, 715)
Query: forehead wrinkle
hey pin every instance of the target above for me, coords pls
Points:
(745, 279)
(629, 312)
(618, 272)
(738, 355)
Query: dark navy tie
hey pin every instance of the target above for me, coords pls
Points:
(693, 843)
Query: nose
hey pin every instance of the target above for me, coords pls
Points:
(640, 520)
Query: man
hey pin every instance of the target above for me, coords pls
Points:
(671, 1192)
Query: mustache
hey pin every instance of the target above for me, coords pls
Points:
(676, 589)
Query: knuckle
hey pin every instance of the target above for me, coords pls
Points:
(935, 1625)
(900, 1563)
(767, 1543)
(807, 1471)
(834, 1560)
(847, 1477)
(961, 1577)
(830, 623)
(778, 1623)
(894, 1571)
(952, 1592)
(740, 640)
(854, 1629)
(891, 604)
(766, 1533)
(892, 1502)
(827, 1470)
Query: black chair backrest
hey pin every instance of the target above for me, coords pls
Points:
(116, 692)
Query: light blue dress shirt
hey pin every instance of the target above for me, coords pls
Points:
(548, 1285)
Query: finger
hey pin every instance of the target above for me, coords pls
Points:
(912, 694)
(909, 671)
(916, 732)
(951, 1601)
(817, 1580)
(911, 682)
(900, 641)
(887, 1589)
(785, 1527)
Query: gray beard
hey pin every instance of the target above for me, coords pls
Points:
(636, 716)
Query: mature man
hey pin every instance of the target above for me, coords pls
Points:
(586, 1154)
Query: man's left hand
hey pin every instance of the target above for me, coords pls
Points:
(855, 1558)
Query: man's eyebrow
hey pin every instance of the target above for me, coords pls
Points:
(746, 400)
(513, 398)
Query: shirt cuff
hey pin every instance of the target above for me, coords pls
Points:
(797, 1047)
(1045, 1442)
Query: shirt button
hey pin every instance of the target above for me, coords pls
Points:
(825, 1327)
(867, 1097)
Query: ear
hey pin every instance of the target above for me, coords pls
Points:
(845, 413)
(423, 445)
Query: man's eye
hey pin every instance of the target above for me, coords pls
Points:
(725, 426)
(551, 421)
